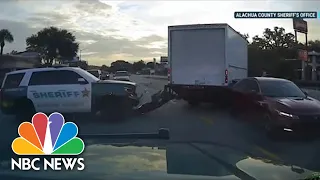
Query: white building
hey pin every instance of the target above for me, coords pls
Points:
(20, 60)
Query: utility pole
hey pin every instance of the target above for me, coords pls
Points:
(154, 65)
(301, 26)
(80, 50)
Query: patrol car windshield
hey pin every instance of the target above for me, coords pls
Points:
(95, 73)
(94, 78)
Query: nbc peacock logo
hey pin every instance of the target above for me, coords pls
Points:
(47, 136)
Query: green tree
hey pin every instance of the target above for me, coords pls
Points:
(104, 68)
(150, 65)
(273, 39)
(314, 45)
(53, 43)
(270, 50)
(245, 36)
(138, 66)
(120, 65)
(5, 36)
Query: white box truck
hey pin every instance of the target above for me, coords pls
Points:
(204, 59)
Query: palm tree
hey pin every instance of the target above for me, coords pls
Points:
(5, 36)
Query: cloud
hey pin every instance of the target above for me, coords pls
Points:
(129, 30)
(48, 19)
(97, 49)
(100, 42)
(93, 7)
(151, 38)
(109, 48)
(20, 31)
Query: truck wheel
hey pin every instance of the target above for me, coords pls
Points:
(26, 110)
(193, 103)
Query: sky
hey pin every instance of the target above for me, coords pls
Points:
(135, 30)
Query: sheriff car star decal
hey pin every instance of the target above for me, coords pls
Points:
(85, 93)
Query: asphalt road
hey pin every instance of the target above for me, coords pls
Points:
(205, 123)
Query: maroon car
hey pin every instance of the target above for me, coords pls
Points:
(278, 104)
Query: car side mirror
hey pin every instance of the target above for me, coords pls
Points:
(82, 81)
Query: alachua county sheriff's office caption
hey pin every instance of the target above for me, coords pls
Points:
(306, 15)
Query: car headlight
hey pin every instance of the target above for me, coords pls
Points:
(287, 115)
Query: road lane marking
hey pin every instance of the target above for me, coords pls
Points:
(268, 153)
(207, 120)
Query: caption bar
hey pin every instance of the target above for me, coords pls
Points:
(304, 15)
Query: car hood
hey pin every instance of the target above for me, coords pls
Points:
(173, 161)
(300, 105)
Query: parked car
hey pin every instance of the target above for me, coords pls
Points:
(278, 104)
(105, 75)
(122, 76)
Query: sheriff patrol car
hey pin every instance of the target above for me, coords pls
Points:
(65, 90)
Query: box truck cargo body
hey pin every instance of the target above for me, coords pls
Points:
(204, 59)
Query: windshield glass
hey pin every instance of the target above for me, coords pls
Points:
(280, 89)
(94, 78)
(95, 73)
(123, 73)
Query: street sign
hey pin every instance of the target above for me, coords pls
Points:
(163, 59)
(300, 25)
(303, 55)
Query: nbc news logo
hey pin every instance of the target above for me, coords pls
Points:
(47, 137)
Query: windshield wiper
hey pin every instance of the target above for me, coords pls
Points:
(161, 134)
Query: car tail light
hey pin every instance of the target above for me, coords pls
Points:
(226, 76)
